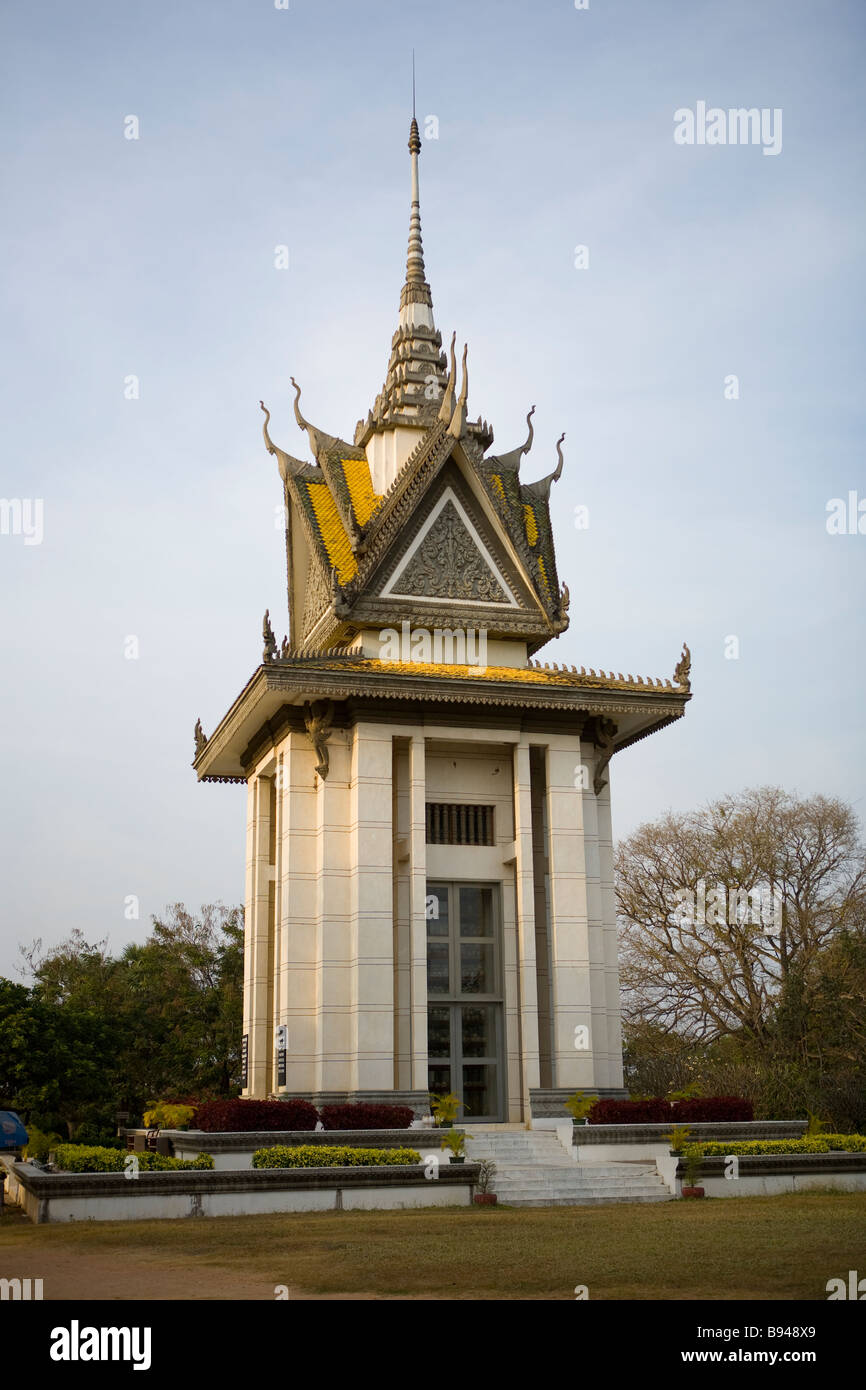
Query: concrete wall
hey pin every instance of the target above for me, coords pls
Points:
(151, 1207)
(170, 1196)
(751, 1186)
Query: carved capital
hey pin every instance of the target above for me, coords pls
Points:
(318, 719)
(602, 732)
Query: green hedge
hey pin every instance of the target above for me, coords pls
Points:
(811, 1144)
(330, 1156)
(84, 1158)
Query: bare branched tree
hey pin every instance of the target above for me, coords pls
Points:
(725, 912)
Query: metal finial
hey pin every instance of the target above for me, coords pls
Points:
(413, 84)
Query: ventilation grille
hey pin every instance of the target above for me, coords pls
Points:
(449, 823)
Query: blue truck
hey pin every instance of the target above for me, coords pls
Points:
(13, 1135)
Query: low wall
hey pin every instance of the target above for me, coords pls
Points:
(233, 1151)
(770, 1174)
(613, 1143)
(51, 1197)
(548, 1102)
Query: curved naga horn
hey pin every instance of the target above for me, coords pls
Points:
(446, 409)
(269, 443)
(298, 416)
(512, 459)
(541, 488)
(557, 472)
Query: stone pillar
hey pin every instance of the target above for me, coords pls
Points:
(610, 954)
(573, 1068)
(525, 912)
(599, 1007)
(337, 973)
(371, 935)
(298, 962)
(258, 937)
(418, 921)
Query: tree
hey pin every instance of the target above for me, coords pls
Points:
(727, 914)
(98, 1033)
(53, 1058)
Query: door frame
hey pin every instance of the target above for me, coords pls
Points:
(454, 1002)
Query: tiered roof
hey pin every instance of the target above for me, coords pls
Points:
(416, 523)
(345, 530)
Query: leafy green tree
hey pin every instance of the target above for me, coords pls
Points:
(161, 1019)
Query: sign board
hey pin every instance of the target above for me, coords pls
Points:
(282, 1044)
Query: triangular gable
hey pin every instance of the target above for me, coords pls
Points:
(448, 560)
(450, 563)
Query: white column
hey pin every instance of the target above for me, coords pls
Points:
(258, 980)
(371, 909)
(610, 1000)
(524, 885)
(335, 865)
(299, 965)
(418, 876)
(570, 947)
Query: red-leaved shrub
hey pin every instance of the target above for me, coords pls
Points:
(630, 1112)
(713, 1108)
(364, 1116)
(657, 1110)
(236, 1116)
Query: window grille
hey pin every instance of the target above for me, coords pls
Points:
(451, 823)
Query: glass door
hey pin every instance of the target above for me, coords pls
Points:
(464, 992)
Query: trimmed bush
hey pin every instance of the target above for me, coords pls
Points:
(88, 1158)
(656, 1110)
(709, 1109)
(811, 1144)
(83, 1158)
(331, 1156)
(238, 1116)
(630, 1112)
(362, 1116)
(164, 1163)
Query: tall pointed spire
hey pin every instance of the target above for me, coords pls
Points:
(417, 376)
(415, 290)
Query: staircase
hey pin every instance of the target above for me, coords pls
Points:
(533, 1169)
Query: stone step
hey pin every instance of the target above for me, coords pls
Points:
(579, 1201)
(533, 1169)
(530, 1187)
(528, 1180)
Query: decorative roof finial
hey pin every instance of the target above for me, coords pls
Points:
(200, 737)
(302, 423)
(557, 472)
(512, 459)
(270, 648)
(446, 409)
(682, 670)
(541, 488)
(287, 464)
(458, 419)
(319, 441)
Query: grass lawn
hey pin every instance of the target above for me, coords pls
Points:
(784, 1247)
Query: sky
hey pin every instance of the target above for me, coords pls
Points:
(704, 356)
